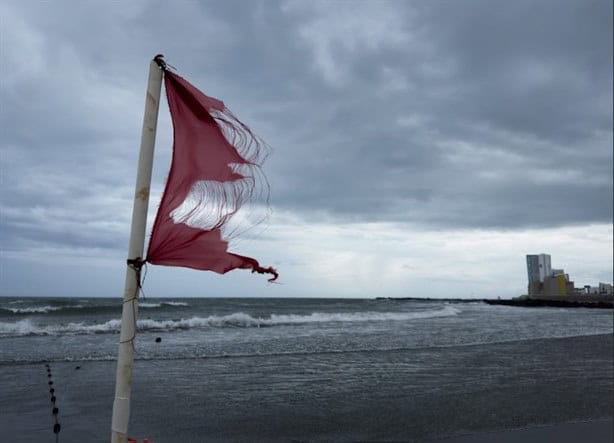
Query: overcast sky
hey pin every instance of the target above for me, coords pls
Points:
(420, 148)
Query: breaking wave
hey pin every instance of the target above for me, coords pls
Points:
(81, 308)
(33, 310)
(162, 304)
(236, 320)
(28, 327)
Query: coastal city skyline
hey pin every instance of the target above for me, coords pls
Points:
(411, 156)
(544, 280)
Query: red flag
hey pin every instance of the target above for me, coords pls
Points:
(214, 171)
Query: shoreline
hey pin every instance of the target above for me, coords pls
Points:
(596, 430)
(205, 358)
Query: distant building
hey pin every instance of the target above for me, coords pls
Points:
(538, 270)
(543, 280)
(605, 289)
(538, 267)
(558, 285)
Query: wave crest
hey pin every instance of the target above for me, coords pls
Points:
(27, 327)
(85, 308)
(33, 310)
(235, 320)
(162, 304)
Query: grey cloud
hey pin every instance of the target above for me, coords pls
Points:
(455, 114)
(535, 80)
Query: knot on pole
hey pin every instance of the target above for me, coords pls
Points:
(137, 265)
(159, 60)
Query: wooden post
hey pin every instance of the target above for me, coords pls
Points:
(125, 357)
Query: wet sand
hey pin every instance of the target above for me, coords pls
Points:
(534, 390)
(597, 431)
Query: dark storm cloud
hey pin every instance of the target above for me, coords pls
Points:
(530, 81)
(537, 67)
(448, 114)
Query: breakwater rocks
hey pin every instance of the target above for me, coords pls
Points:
(602, 302)
(533, 302)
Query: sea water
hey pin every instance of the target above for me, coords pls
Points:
(71, 329)
(303, 369)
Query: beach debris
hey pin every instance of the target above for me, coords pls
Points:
(77, 368)
(158, 339)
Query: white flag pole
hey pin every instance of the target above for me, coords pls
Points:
(125, 356)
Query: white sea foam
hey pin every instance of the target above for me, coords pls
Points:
(22, 327)
(48, 309)
(237, 320)
(34, 309)
(164, 303)
(150, 305)
(242, 320)
(319, 317)
(28, 327)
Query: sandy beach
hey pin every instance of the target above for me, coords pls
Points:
(595, 431)
(304, 398)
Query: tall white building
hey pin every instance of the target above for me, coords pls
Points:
(538, 267)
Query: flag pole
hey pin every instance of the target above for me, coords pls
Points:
(125, 356)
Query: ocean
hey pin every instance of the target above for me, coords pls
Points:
(306, 369)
